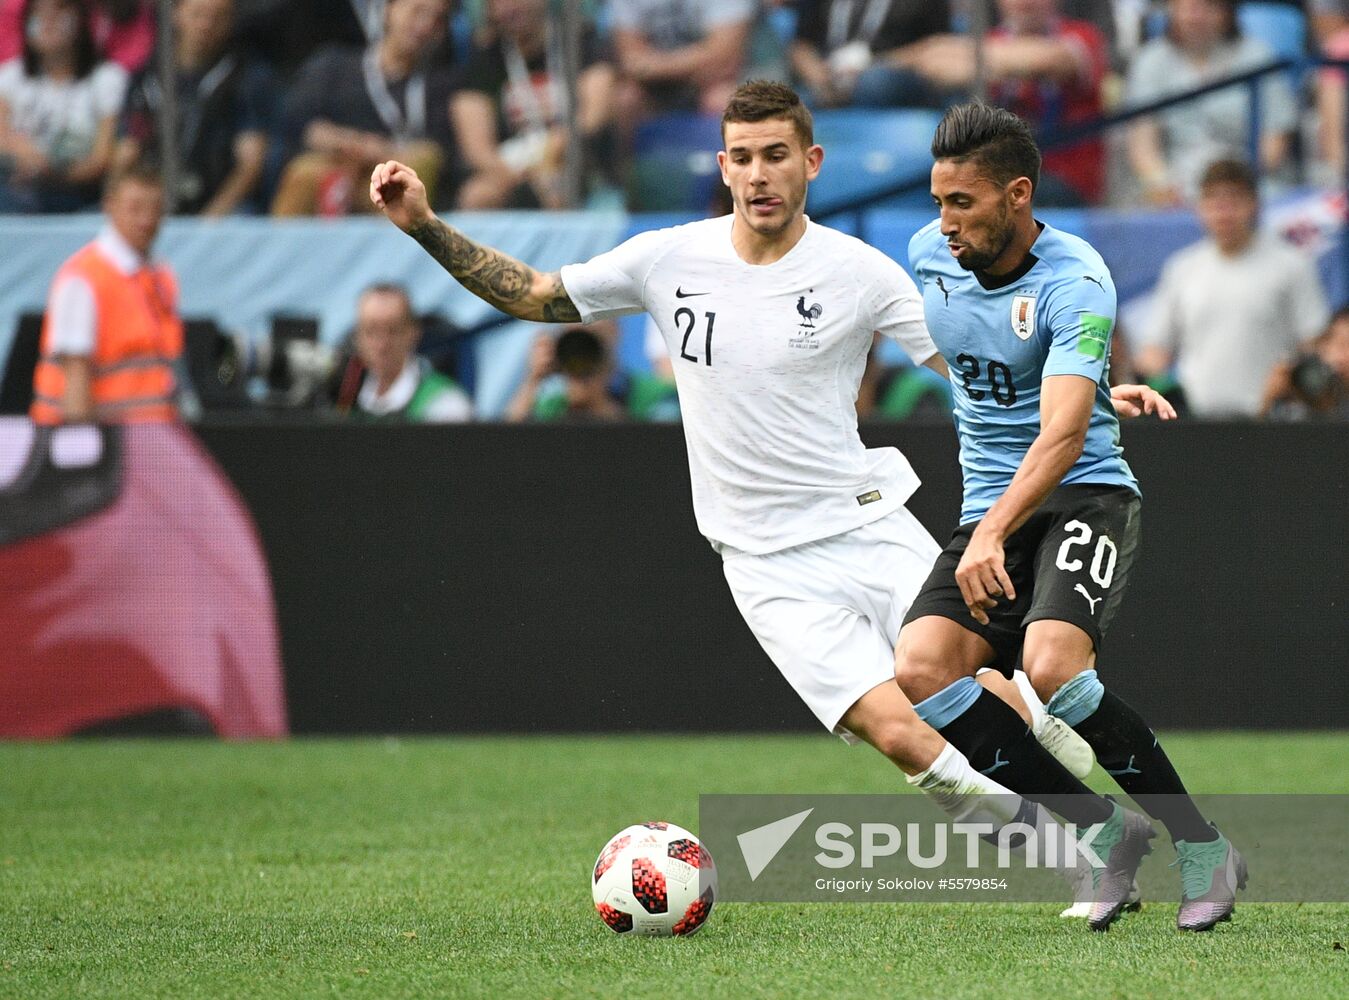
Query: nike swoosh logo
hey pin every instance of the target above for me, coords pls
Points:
(681, 294)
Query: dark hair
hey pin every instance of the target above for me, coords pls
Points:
(994, 138)
(86, 53)
(762, 100)
(1232, 32)
(580, 353)
(1228, 172)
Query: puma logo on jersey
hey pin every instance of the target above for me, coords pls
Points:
(1092, 603)
(1094, 281)
(946, 292)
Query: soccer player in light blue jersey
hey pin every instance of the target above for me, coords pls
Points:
(1049, 528)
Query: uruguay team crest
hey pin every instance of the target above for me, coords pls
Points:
(1023, 316)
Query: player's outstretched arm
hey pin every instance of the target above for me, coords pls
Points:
(496, 278)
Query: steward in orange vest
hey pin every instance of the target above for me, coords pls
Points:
(112, 333)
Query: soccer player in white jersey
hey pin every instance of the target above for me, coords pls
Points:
(768, 318)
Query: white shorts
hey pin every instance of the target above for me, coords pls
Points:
(828, 612)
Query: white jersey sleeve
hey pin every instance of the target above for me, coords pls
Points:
(896, 306)
(614, 283)
(72, 317)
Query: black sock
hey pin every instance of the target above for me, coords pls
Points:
(999, 744)
(1129, 752)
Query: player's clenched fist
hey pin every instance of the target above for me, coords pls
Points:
(399, 193)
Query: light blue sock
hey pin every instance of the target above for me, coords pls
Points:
(1077, 699)
(950, 703)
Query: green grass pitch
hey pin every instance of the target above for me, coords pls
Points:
(458, 867)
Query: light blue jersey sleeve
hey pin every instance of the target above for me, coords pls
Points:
(1081, 314)
(1081, 317)
(921, 245)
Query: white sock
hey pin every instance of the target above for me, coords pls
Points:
(963, 793)
(1032, 700)
(970, 797)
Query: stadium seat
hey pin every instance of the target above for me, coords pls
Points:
(783, 20)
(866, 151)
(675, 163)
(1281, 27)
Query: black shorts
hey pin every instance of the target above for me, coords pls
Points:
(1069, 562)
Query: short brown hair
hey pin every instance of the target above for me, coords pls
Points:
(1228, 172)
(141, 171)
(763, 100)
(396, 290)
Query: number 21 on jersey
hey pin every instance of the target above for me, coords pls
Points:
(686, 319)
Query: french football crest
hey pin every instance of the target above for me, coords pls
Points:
(1023, 316)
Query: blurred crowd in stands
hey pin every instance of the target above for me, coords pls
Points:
(282, 104)
(283, 107)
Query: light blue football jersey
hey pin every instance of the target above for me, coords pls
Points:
(1001, 337)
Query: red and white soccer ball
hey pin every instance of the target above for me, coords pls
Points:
(654, 879)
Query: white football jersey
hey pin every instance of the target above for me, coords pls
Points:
(768, 360)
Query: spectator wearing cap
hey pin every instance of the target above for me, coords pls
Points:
(1230, 308)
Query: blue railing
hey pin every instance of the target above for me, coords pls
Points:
(1058, 138)
(856, 208)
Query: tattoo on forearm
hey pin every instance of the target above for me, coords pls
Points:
(491, 275)
(559, 308)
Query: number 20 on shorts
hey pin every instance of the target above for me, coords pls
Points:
(1103, 557)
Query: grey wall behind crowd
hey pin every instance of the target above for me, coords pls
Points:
(494, 578)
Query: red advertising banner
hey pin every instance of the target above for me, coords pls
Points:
(131, 581)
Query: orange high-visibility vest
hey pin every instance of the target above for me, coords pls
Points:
(137, 339)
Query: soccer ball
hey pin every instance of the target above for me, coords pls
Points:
(655, 879)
